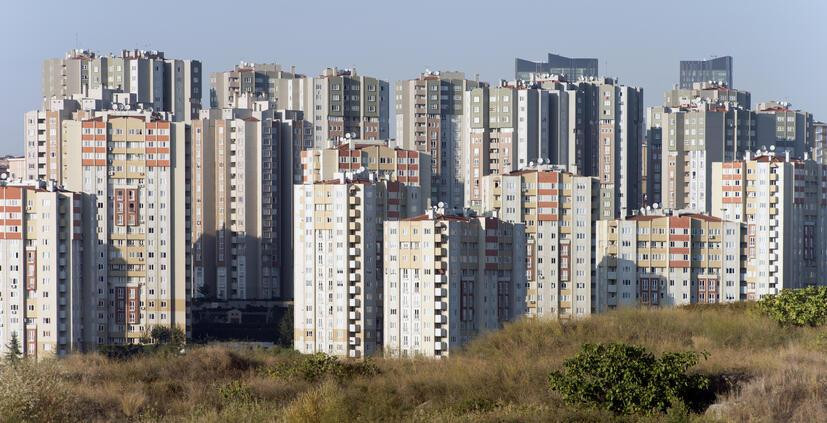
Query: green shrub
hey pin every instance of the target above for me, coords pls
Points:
(797, 307)
(235, 391)
(629, 379)
(315, 367)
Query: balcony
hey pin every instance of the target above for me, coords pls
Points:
(440, 292)
(354, 315)
(354, 328)
(354, 354)
(773, 245)
(440, 332)
(354, 213)
(440, 252)
(354, 277)
(439, 346)
(439, 305)
(354, 290)
(440, 279)
(353, 264)
(353, 340)
(353, 302)
(773, 233)
(354, 251)
(441, 319)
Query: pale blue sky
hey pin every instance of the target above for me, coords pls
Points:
(779, 46)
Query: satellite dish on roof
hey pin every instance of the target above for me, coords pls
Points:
(772, 148)
(655, 205)
(4, 176)
(361, 169)
(441, 204)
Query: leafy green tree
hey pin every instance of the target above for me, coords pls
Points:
(13, 351)
(286, 328)
(166, 335)
(797, 307)
(629, 379)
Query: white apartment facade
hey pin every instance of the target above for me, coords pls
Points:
(40, 269)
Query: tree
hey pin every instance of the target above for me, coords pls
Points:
(13, 351)
(797, 307)
(166, 335)
(629, 379)
(286, 328)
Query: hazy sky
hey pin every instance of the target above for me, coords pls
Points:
(780, 47)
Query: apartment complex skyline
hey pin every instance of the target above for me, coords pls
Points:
(524, 198)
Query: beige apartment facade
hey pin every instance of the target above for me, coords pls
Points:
(669, 260)
(131, 169)
(558, 210)
(782, 201)
(448, 278)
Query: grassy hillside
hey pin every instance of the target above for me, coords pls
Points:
(762, 372)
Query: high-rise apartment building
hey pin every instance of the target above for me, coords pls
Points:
(510, 126)
(668, 260)
(504, 128)
(241, 183)
(336, 104)
(13, 167)
(338, 250)
(260, 81)
(718, 69)
(41, 294)
(785, 128)
(429, 119)
(131, 170)
(709, 91)
(448, 278)
(170, 85)
(44, 139)
(558, 210)
(782, 201)
(819, 142)
(617, 152)
(684, 142)
(571, 68)
(410, 167)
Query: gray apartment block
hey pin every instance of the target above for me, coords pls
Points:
(429, 119)
(169, 85)
(714, 92)
(572, 68)
(718, 69)
(337, 103)
(786, 129)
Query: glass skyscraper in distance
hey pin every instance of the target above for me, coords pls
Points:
(718, 69)
(571, 68)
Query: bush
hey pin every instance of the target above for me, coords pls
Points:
(797, 307)
(629, 379)
(319, 366)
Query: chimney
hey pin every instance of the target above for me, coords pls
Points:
(747, 155)
(786, 155)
